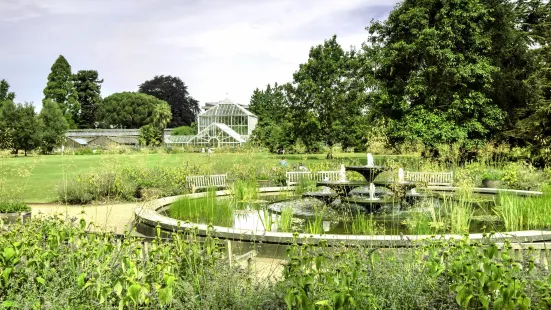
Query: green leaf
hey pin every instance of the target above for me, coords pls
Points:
(8, 253)
(117, 288)
(165, 295)
(41, 280)
(134, 292)
(80, 280)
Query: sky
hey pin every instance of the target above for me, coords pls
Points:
(219, 48)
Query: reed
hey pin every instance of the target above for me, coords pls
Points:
(208, 209)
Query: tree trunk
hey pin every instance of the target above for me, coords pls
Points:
(25, 153)
(330, 154)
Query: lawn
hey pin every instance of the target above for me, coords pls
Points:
(35, 178)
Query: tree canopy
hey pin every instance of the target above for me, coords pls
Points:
(174, 91)
(60, 89)
(88, 88)
(53, 126)
(435, 72)
(132, 110)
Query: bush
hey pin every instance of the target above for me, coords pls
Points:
(72, 269)
(10, 206)
(184, 131)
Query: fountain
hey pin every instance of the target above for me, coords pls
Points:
(369, 160)
(372, 192)
(342, 174)
(369, 171)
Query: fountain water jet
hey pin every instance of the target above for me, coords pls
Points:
(372, 192)
(369, 160)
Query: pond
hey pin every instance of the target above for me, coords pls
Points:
(428, 213)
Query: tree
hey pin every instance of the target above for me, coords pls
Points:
(53, 126)
(434, 62)
(535, 127)
(8, 121)
(132, 110)
(88, 88)
(274, 129)
(60, 89)
(26, 134)
(151, 135)
(174, 91)
(327, 96)
(5, 93)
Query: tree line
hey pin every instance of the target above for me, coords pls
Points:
(434, 72)
(74, 101)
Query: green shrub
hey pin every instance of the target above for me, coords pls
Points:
(492, 175)
(184, 131)
(10, 206)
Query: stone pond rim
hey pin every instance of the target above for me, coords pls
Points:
(147, 217)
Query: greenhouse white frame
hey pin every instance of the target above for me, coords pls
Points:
(226, 123)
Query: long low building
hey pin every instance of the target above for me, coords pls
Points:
(223, 123)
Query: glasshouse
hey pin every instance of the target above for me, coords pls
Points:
(224, 123)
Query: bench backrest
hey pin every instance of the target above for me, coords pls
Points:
(431, 178)
(206, 181)
(293, 177)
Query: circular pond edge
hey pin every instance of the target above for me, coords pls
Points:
(147, 217)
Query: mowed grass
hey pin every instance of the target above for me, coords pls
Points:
(35, 179)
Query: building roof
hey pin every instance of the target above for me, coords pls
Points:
(205, 135)
(226, 107)
(120, 140)
(124, 140)
(78, 140)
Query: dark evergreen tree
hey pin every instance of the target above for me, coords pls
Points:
(88, 88)
(174, 91)
(60, 89)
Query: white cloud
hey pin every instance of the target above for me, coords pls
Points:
(215, 46)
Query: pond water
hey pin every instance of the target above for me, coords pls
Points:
(423, 214)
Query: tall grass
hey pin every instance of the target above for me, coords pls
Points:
(305, 185)
(519, 213)
(364, 224)
(285, 220)
(208, 209)
(245, 190)
(459, 213)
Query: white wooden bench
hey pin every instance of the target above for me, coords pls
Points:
(431, 178)
(293, 177)
(196, 182)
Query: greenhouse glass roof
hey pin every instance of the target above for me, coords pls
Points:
(226, 107)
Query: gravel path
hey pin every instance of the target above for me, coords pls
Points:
(113, 217)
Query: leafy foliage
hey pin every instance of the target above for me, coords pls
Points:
(174, 91)
(27, 132)
(184, 131)
(61, 90)
(52, 126)
(151, 135)
(88, 88)
(132, 110)
(326, 98)
(5, 93)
